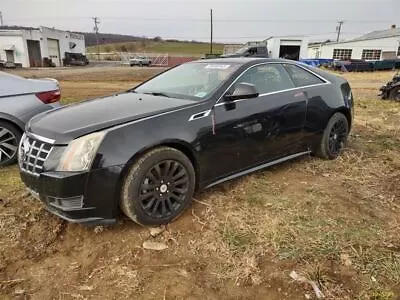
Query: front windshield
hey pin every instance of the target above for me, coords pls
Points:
(193, 81)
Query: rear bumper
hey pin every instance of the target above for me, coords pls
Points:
(78, 197)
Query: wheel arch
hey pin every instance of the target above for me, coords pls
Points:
(346, 112)
(12, 121)
(179, 145)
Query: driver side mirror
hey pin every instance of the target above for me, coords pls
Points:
(242, 91)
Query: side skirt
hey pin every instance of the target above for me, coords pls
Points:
(271, 163)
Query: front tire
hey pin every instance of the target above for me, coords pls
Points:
(334, 137)
(9, 141)
(158, 187)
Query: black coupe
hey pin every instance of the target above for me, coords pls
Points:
(146, 151)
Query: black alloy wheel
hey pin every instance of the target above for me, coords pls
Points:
(9, 140)
(158, 187)
(337, 137)
(334, 138)
(163, 189)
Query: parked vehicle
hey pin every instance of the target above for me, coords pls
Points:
(140, 61)
(145, 151)
(20, 100)
(9, 65)
(75, 59)
(391, 90)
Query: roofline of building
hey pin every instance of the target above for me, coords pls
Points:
(22, 29)
(285, 36)
(358, 40)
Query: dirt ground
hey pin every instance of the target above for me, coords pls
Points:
(336, 223)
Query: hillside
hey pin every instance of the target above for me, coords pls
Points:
(107, 38)
(159, 46)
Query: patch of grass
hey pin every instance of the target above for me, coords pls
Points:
(236, 239)
(179, 47)
(9, 180)
(67, 100)
(382, 295)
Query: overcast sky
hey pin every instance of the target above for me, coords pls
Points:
(234, 20)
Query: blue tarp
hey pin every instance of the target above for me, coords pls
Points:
(317, 62)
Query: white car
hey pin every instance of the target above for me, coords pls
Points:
(140, 61)
(20, 100)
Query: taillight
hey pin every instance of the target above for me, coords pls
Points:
(49, 97)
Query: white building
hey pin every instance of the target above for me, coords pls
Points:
(291, 47)
(30, 47)
(377, 45)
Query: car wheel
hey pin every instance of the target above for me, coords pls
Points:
(334, 137)
(9, 141)
(395, 94)
(158, 187)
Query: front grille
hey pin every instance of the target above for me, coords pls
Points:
(33, 154)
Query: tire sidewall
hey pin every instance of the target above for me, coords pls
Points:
(18, 135)
(133, 181)
(324, 147)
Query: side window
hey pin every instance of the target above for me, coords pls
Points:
(267, 78)
(302, 77)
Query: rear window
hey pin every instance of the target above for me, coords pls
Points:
(302, 77)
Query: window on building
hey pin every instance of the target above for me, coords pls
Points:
(267, 78)
(302, 77)
(342, 53)
(371, 54)
(398, 51)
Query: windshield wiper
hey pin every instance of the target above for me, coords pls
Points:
(157, 94)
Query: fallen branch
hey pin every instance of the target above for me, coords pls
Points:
(201, 202)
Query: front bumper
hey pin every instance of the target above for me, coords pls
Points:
(78, 197)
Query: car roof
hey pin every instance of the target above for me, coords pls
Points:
(242, 60)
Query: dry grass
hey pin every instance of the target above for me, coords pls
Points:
(335, 222)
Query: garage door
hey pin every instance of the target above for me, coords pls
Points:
(54, 51)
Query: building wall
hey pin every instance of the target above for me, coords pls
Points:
(18, 38)
(64, 39)
(386, 45)
(274, 44)
(20, 52)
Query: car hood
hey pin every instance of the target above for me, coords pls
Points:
(14, 85)
(72, 121)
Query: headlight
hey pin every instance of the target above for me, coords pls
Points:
(80, 153)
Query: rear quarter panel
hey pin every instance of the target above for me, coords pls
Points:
(23, 107)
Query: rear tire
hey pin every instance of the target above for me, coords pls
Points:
(395, 94)
(10, 137)
(334, 137)
(158, 187)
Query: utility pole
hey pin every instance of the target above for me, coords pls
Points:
(211, 41)
(339, 29)
(1, 19)
(96, 30)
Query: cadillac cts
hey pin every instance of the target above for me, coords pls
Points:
(145, 151)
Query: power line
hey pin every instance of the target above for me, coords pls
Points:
(96, 30)
(211, 40)
(339, 28)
